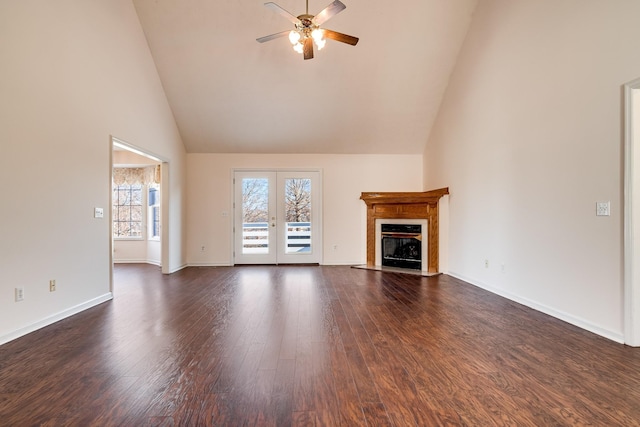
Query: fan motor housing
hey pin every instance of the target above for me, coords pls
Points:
(306, 20)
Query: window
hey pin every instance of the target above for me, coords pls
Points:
(154, 211)
(127, 211)
(136, 202)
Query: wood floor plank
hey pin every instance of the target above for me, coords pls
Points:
(303, 380)
(282, 392)
(324, 395)
(304, 419)
(309, 345)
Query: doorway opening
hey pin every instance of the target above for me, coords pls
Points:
(277, 217)
(138, 206)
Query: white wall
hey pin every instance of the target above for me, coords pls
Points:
(137, 251)
(528, 139)
(73, 73)
(344, 214)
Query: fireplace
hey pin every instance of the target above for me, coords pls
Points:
(401, 245)
(407, 208)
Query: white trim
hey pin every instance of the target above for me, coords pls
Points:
(171, 271)
(344, 263)
(560, 315)
(275, 176)
(631, 298)
(165, 249)
(55, 318)
(139, 151)
(136, 261)
(231, 214)
(207, 264)
(316, 255)
(267, 257)
(110, 214)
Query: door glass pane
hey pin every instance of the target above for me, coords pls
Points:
(298, 215)
(255, 216)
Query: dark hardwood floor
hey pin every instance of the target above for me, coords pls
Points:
(324, 346)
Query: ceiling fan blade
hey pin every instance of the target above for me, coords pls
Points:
(274, 7)
(328, 12)
(344, 38)
(308, 48)
(273, 36)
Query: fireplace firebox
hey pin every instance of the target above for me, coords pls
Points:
(402, 245)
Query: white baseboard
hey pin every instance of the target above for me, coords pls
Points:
(343, 263)
(565, 317)
(208, 264)
(178, 268)
(134, 261)
(55, 318)
(205, 264)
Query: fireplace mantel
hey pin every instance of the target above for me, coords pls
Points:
(407, 205)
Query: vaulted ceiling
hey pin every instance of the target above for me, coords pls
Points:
(231, 94)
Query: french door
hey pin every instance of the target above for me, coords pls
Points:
(277, 217)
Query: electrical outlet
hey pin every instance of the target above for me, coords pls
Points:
(52, 285)
(19, 294)
(603, 208)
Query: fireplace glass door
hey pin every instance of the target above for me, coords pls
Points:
(402, 245)
(277, 217)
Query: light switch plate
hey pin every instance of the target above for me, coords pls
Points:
(603, 208)
(98, 213)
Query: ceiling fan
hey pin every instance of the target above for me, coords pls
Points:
(307, 29)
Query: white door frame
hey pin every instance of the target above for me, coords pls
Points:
(315, 256)
(280, 256)
(164, 203)
(631, 214)
(271, 256)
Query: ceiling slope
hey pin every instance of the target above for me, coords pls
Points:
(230, 94)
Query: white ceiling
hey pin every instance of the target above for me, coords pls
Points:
(231, 94)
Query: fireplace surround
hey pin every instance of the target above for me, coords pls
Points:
(405, 206)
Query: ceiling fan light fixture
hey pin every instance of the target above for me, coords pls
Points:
(294, 37)
(307, 32)
(317, 35)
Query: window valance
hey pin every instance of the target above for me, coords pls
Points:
(136, 176)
